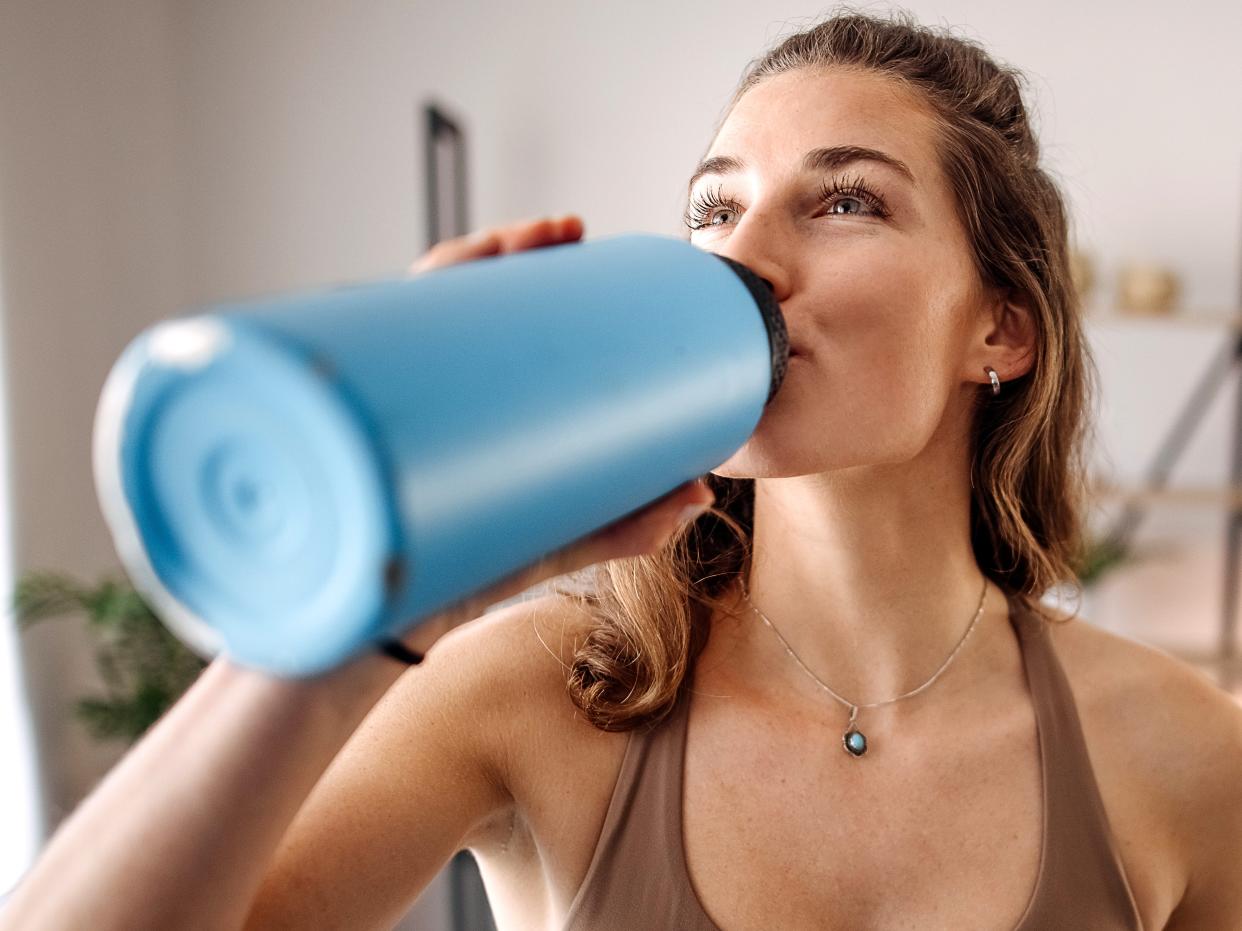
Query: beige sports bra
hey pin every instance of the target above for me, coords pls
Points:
(637, 877)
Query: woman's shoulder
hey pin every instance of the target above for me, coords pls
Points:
(515, 661)
(1164, 736)
(1135, 683)
(520, 654)
(518, 657)
(1146, 703)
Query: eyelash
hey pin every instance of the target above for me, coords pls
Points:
(699, 210)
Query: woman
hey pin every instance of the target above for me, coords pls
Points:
(830, 702)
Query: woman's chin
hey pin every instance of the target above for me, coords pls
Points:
(771, 452)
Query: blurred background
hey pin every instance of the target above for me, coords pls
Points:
(156, 155)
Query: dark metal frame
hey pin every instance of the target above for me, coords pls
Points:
(440, 129)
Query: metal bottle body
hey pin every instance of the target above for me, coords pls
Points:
(291, 479)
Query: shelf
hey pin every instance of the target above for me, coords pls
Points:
(1205, 496)
(1217, 319)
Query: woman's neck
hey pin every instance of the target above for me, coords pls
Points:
(871, 579)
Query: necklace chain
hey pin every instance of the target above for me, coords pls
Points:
(852, 705)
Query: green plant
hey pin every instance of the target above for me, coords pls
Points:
(1103, 555)
(1099, 557)
(143, 665)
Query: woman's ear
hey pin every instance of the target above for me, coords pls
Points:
(1005, 339)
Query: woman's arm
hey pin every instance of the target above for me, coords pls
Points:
(180, 832)
(1210, 740)
(425, 775)
(183, 831)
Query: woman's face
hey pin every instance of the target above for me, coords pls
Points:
(876, 280)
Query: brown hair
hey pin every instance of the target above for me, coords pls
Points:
(650, 614)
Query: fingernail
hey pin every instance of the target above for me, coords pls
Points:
(690, 512)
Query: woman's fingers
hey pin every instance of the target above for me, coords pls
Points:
(452, 251)
(526, 234)
(534, 233)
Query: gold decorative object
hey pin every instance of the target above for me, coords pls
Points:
(1082, 273)
(1144, 288)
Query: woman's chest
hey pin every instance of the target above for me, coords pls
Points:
(936, 826)
(926, 830)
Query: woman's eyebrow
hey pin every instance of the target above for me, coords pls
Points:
(822, 159)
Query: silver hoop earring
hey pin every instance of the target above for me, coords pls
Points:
(995, 379)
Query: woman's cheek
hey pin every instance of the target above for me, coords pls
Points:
(903, 396)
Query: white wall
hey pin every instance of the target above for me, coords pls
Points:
(21, 810)
(91, 251)
(303, 167)
(156, 154)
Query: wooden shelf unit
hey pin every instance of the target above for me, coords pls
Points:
(1154, 490)
(1187, 496)
(1222, 319)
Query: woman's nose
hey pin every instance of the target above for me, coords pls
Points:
(765, 269)
(758, 246)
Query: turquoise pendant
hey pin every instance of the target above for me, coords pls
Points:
(855, 742)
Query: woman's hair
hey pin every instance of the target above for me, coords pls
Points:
(649, 615)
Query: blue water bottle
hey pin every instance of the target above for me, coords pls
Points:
(293, 480)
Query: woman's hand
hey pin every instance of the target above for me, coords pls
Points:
(644, 531)
(498, 240)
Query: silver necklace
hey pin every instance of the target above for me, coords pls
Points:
(853, 740)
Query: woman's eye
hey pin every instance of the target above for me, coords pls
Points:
(711, 209)
(856, 191)
(846, 201)
(705, 208)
